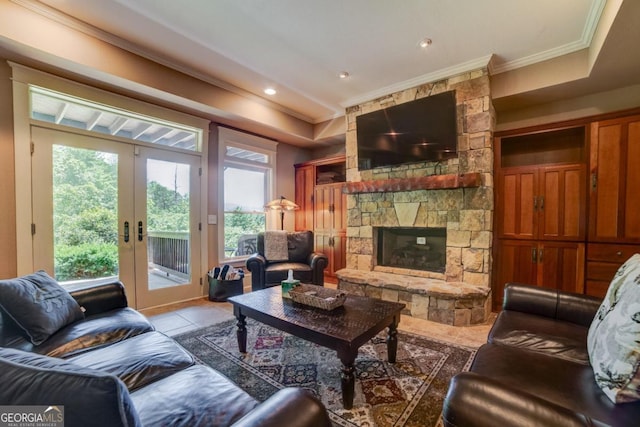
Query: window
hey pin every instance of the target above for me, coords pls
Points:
(247, 163)
(62, 109)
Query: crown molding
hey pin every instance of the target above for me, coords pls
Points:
(584, 42)
(443, 73)
(90, 30)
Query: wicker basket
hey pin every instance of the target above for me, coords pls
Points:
(317, 296)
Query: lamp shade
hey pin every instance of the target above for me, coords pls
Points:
(281, 204)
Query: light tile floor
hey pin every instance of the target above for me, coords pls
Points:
(187, 316)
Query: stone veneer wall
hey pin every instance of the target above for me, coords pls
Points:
(467, 213)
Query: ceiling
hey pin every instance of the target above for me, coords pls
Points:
(300, 47)
(539, 54)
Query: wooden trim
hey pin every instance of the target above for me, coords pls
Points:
(326, 161)
(434, 182)
(583, 121)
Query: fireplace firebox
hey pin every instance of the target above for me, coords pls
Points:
(412, 248)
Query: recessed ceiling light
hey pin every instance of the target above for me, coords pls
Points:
(343, 74)
(424, 43)
(270, 91)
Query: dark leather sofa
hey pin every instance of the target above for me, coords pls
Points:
(534, 370)
(113, 369)
(308, 266)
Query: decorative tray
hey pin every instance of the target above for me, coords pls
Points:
(317, 296)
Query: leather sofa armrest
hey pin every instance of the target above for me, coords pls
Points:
(291, 407)
(547, 302)
(577, 308)
(100, 297)
(477, 401)
(256, 265)
(318, 262)
(316, 257)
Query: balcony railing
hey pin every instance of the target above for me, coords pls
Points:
(168, 251)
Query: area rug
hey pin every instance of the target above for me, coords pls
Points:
(409, 392)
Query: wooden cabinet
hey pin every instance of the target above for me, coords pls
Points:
(552, 264)
(615, 181)
(544, 202)
(541, 210)
(614, 214)
(544, 184)
(323, 208)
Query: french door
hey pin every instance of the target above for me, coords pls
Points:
(105, 209)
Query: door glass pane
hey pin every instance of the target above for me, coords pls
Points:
(85, 213)
(168, 224)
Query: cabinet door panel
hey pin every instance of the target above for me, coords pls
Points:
(510, 195)
(549, 203)
(632, 190)
(615, 156)
(339, 208)
(514, 264)
(304, 198)
(608, 181)
(526, 205)
(561, 266)
(322, 203)
(518, 189)
(562, 203)
(322, 244)
(339, 251)
(574, 204)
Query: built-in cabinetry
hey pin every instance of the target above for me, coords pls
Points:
(614, 220)
(567, 204)
(541, 209)
(323, 208)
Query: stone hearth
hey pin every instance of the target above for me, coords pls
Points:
(454, 304)
(456, 194)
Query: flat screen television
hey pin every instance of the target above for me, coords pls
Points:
(423, 130)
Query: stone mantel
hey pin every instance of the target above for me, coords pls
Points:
(432, 182)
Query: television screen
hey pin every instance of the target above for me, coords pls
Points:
(416, 131)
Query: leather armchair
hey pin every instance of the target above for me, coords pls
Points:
(308, 266)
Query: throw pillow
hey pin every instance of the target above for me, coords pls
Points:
(88, 397)
(38, 305)
(275, 246)
(612, 343)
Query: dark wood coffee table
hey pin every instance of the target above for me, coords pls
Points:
(344, 329)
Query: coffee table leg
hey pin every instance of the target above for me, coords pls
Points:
(348, 378)
(392, 341)
(242, 332)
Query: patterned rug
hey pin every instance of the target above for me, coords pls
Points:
(407, 393)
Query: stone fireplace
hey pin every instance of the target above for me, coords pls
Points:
(454, 196)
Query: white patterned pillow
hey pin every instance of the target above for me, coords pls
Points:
(613, 342)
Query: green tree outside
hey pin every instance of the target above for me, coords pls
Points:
(85, 217)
